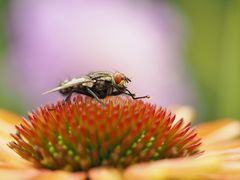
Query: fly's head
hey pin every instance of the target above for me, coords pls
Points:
(120, 80)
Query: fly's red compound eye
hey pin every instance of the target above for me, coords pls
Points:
(117, 78)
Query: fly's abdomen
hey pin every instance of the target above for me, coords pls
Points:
(66, 91)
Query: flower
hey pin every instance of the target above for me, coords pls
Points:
(142, 39)
(220, 143)
(122, 133)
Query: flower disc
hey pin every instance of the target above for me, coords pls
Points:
(82, 134)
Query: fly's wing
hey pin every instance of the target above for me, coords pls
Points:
(86, 81)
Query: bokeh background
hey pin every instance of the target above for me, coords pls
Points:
(180, 52)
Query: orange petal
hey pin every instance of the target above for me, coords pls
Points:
(105, 173)
(218, 131)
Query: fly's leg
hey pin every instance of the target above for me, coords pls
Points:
(95, 96)
(68, 98)
(134, 96)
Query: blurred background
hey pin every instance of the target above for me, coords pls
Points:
(180, 52)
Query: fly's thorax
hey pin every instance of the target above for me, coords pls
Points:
(101, 85)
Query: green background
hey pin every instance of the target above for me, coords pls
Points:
(213, 54)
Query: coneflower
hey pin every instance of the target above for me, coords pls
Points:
(83, 134)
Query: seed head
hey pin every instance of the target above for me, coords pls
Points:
(82, 134)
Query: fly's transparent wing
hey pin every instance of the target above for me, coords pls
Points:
(73, 82)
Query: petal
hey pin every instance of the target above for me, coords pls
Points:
(8, 158)
(105, 173)
(222, 176)
(185, 112)
(7, 124)
(60, 175)
(188, 168)
(211, 165)
(230, 168)
(18, 174)
(38, 174)
(230, 155)
(221, 131)
(9, 117)
(222, 145)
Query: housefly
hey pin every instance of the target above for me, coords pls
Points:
(98, 85)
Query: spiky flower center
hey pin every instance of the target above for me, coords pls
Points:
(83, 134)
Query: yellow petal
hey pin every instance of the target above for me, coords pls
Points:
(188, 168)
(229, 155)
(222, 176)
(9, 117)
(8, 158)
(7, 122)
(185, 112)
(105, 174)
(222, 145)
(18, 174)
(230, 168)
(12, 163)
(59, 175)
(228, 171)
(218, 131)
(38, 174)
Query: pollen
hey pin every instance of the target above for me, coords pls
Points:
(82, 134)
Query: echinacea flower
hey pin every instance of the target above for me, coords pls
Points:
(125, 139)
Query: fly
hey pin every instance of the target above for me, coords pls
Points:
(97, 85)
